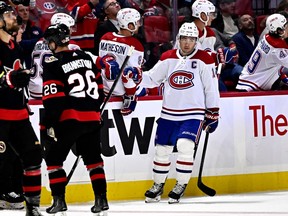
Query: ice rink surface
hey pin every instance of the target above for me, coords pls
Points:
(255, 204)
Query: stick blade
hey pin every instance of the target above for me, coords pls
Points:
(205, 189)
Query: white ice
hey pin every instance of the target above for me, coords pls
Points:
(254, 204)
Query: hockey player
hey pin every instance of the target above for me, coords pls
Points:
(72, 96)
(16, 132)
(262, 69)
(190, 103)
(117, 45)
(41, 51)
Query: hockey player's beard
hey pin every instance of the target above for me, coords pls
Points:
(14, 28)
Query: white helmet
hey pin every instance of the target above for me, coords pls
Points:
(62, 18)
(128, 15)
(275, 22)
(202, 6)
(188, 29)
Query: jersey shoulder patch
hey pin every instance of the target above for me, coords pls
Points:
(50, 59)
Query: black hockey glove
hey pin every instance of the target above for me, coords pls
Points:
(18, 78)
(47, 139)
(211, 119)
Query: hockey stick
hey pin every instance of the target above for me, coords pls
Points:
(129, 53)
(207, 190)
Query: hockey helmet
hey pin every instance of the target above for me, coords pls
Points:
(276, 22)
(202, 6)
(126, 16)
(189, 30)
(4, 8)
(59, 34)
(63, 18)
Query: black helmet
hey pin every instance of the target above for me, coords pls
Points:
(4, 8)
(59, 34)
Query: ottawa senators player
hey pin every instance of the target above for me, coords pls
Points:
(16, 131)
(72, 96)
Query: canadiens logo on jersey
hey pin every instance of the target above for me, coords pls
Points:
(181, 80)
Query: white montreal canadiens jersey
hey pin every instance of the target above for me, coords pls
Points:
(117, 45)
(262, 69)
(40, 52)
(190, 84)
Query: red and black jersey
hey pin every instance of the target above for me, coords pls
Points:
(12, 101)
(72, 88)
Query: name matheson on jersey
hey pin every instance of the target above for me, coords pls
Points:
(262, 122)
(110, 47)
(79, 63)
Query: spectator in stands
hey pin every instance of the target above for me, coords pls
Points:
(110, 8)
(246, 39)
(226, 20)
(262, 71)
(84, 12)
(31, 33)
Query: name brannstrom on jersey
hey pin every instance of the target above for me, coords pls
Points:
(73, 65)
(110, 47)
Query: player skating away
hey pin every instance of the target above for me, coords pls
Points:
(72, 96)
(190, 96)
(117, 45)
(262, 69)
(41, 51)
(16, 130)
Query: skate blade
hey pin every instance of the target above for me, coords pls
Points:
(102, 213)
(63, 213)
(152, 200)
(11, 206)
(173, 201)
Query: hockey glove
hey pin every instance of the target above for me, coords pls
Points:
(133, 73)
(283, 75)
(105, 59)
(220, 56)
(112, 70)
(18, 78)
(211, 119)
(46, 139)
(129, 104)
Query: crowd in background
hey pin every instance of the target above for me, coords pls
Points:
(156, 33)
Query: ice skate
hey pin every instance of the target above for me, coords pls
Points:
(32, 206)
(176, 193)
(11, 201)
(58, 207)
(154, 193)
(100, 206)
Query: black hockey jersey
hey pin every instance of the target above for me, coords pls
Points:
(12, 101)
(72, 88)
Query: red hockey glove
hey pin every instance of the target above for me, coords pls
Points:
(133, 73)
(211, 119)
(18, 78)
(220, 56)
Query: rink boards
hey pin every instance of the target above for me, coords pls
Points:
(247, 152)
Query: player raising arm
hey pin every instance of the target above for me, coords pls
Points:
(190, 103)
